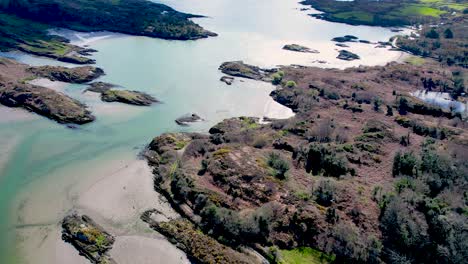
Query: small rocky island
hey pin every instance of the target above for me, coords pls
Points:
(347, 55)
(240, 69)
(122, 96)
(299, 48)
(91, 240)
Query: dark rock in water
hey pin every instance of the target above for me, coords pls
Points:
(383, 44)
(86, 52)
(45, 102)
(347, 55)
(364, 41)
(100, 87)
(299, 48)
(342, 45)
(184, 120)
(128, 97)
(88, 238)
(351, 37)
(226, 79)
(347, 38)
(82, 74)
(396, 30)
(240, 69)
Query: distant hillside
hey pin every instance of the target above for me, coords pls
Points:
(124, 16)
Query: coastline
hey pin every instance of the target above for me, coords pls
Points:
(109, 186)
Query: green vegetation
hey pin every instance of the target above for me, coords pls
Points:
(279, 166)
(291, 84)
(445, 43)
(423, 220)
(24, 24)
(31, 37)
(220, 153)
(277, 77)
(414, 60)
(405, 164)
(304, 255)
(384, 13)
(321, 159)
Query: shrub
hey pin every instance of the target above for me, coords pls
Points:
(389, 110)
(291, 84)
(448, 33)
(324, 192)
(279, 165)
(276, 78)
(321, 159)
(377, 103)
(402, 106)
(405, 164)
(260, 142)
(432, 34)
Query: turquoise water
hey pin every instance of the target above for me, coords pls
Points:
(183, 75)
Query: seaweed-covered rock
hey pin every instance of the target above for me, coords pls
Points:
(347, 38)
(128, 97)
(185, 120)
(100, 87)
(88, 238)
(348, 55)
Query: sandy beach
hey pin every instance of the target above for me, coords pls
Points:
(114, 195)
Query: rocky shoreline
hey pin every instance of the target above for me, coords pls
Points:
(239, 185)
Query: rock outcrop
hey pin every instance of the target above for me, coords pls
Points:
(299, 48)
(100, 87)
(240, 69)
(45, 102)
(82, 74)
(128, 97)
(347, 38)
(226, 79)
(185, 120)
(91, 240)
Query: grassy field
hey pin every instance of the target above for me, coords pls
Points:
(414, 60)
(420, 10)
(386, 13)
(304, 255)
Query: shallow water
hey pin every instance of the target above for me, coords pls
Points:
(47, 169)
(442, 100)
